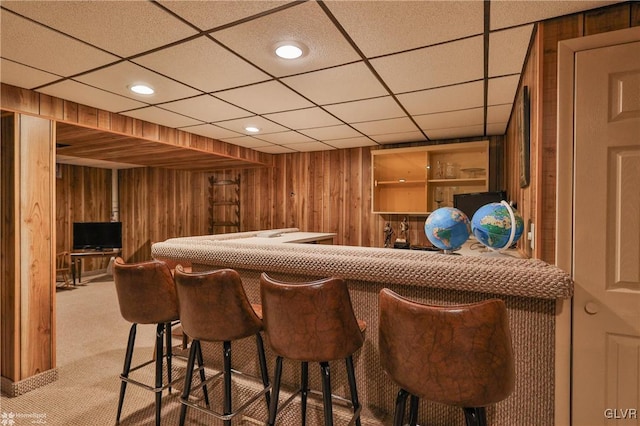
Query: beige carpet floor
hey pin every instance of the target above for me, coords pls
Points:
(91, 341)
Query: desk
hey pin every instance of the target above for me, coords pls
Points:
(77, 256)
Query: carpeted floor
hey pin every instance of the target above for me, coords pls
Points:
(91, 341)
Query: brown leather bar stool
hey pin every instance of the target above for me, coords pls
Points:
(458, 355)
(214, 308)
(147, 295)
(292, 313)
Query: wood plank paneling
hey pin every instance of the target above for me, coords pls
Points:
(552, 31)
(28, 257)
(37, 257)
(10, 287)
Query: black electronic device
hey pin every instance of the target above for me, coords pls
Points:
(97, 235)
(470, 203)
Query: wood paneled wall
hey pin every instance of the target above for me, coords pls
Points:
(157, 204)
(83, 194)
(538, 202)
(28, 249)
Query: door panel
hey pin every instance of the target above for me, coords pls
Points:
(606, 306)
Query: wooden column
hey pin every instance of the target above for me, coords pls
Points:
(28, 253)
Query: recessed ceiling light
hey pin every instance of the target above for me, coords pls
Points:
(142, 89)
(252, 129)
(289, 51)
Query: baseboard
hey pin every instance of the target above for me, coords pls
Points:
(13, 389)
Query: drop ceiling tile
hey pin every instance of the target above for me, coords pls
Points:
(117, 78)
(284, 138)
(90, 96)
(211, 67)
(304, 118)
(399, 137)
(20, 75)
(449, 63)
(239, 125)
(502, 90)
(303, 23)
(340, 84)
(392, 26)
(206, 108)
(161, 116)
(36, 46)
(450, 98)
(275, 149)
(263, 98)
(508, 49)
(332, 132)
(498, 113)
(381, 127)
(511, 13)
(247, 142)
(309, 146)
(367, 110)
(456, 132)
(126, 27)
(351, 142)
(496, 129)
(211, 131)
(450, 119)
(208, 15)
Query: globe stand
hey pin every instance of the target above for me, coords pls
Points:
(450, 252)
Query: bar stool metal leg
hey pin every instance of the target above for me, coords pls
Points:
(326, 393)
(304, 390)
(401, 401)
(413, 410)
(226, 347)
(159, 356)
(167, 334)
(263, 367)
(125, 370)
(351, 375)
(475, 416)
(203, 379)
(275, 392)
(187, 380)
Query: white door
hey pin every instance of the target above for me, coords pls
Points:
(606, 232)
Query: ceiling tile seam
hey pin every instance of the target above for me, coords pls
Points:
(58, 31)
(255, 16)
(353, 44)
(73, 38)
(524, 64)
(487, 30)
(34, 68)
(277, 79)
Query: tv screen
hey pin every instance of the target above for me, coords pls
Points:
(97, 235)
(470, 203)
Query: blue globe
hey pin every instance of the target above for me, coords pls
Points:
(491, 225)
(447, 228)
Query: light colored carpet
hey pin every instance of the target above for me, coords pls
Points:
(91, 342)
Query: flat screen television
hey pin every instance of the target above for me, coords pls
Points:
(97, 235)
(470, 203)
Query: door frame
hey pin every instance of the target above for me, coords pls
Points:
(565, 143)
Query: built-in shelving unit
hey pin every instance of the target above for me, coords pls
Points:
(224, 205)
(418, 180)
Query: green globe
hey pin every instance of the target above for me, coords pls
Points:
(447, 228)
(492, 226)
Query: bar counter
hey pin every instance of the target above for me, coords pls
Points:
(530, 289)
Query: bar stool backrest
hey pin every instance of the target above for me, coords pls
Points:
(214, 306)
(459, 355)
(309, 321)
(146, 292)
